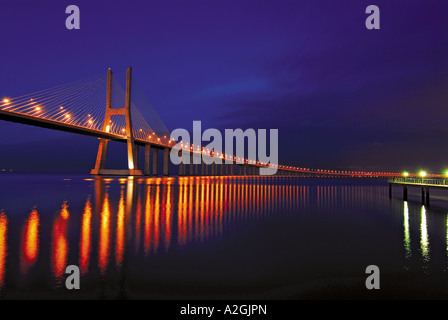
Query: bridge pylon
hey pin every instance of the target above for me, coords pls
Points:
(132, 149)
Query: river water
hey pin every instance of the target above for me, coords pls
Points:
(218, 238)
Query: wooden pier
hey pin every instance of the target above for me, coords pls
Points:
(423, 183)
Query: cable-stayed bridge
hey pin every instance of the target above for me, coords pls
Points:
(100, 107)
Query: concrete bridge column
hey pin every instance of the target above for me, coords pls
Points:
(427, 196)
(147, 170)
(191, 164)
(405, 193)
(155, 162)
(197, 164)
(136, 156)
(181, 169)
(166, 162)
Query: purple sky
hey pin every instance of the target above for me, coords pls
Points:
(342, 97)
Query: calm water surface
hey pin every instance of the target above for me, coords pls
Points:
(218, 238)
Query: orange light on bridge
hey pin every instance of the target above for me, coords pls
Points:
(6, 101)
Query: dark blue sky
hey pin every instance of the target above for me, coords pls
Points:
(342, 97)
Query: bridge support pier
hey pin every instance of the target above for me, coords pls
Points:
(427, 196)
(390, 191)
(147, 164)
(197, 163)
(191, 164)
(423, 195)
(181, 169)
(405, 193)
(166, 162)
(131, 147)
(155, 162)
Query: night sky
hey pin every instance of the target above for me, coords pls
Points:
(342, 97)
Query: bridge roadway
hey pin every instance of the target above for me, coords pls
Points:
(242, 168)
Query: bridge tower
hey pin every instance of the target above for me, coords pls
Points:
(131, 147)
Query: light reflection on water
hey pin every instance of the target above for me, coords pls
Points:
(127, 226)
(30, 241)
(3, 246)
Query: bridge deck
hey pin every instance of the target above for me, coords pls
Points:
(67, 127)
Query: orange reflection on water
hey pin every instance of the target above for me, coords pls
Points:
(3, 246)
(156, 223)
(30, 244)
(60, 244)
(120, 238)
(148, 222)
(168, 213)
(181, 220)
(84, 246)
(103, 250)
(138, 218)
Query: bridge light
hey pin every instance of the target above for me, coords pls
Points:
(6, 101)
(67, 116)
(107, 128)
(422, 174)
(405, 174)
(446, 173)
(37, 108)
